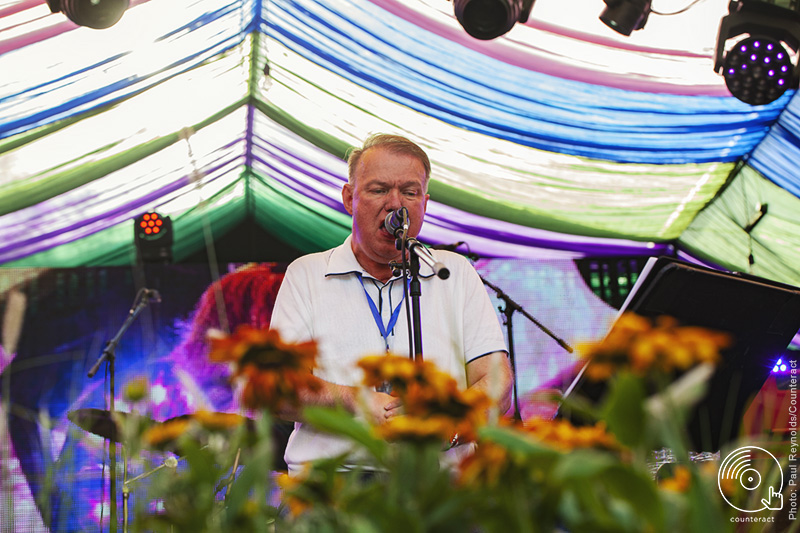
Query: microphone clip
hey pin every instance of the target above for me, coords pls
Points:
(397, 268)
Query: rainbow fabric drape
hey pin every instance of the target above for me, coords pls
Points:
(556, 140)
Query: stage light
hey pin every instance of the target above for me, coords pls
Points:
(625, 16)
(487, 19)
(762, 64)
(96, 14)
(153, 237)
(780, 367)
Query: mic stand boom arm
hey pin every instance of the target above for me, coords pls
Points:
(111, 346)
(109, 354)
(424, 255)
(508, 312)
(514, 306)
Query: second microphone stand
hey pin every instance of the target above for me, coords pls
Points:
(143, 298)
(508, 311)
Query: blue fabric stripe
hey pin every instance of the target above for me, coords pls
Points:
(778, 155)
(407, 65)
(121, 88)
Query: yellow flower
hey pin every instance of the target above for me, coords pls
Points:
(219, 421)
(274, 372)
(271, 390)
(250, 508)
(160, 435)
(643, 354)
(413, 428)
(262, 348)
(312, 486)
(399, 372)
(289, 485)
(136, 389)
(484, 467)
(640, 345)
(562, 435)
(429, 396)
(679, 481)
(600, 371)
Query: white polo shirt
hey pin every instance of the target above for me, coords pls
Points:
(323, 298)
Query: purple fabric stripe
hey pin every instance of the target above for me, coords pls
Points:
(35, 36)
(264, 167)
(42, 240)
(35, 217)
(322, 175)
(489, 237)
(501, 239)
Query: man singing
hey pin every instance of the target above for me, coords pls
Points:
(348, 300)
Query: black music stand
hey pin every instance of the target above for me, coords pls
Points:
(762, 315)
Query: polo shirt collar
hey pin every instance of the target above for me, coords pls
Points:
(343, 261)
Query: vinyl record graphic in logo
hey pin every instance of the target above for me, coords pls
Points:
(756, 471)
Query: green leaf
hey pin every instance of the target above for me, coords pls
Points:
(576, 407)
(339, 422)
(623, 410)
(582, 464)
(706, 510)
(516, 441)
(681, 395)
(604, 495)
(636, 488)
(667, 412)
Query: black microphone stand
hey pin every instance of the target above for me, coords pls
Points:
(415, 291)
(416, 252)
(508, 312)
(109, 354)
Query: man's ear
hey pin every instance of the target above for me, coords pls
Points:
(347, 197)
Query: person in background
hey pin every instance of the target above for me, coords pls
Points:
(244, 296)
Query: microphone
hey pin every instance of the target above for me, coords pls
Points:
(152, 295)
(396, 221)
(448, 247)
(426, 257)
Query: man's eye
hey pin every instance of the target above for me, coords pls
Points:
(410, 194)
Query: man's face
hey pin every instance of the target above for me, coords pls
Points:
(384, 182)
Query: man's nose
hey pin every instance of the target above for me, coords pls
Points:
(394, 200)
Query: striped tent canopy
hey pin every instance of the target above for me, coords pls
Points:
(561, 138)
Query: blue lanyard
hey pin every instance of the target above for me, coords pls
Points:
(376, 315)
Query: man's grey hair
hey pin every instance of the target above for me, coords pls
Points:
(397, 144)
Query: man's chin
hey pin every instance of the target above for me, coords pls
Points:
(389, 254)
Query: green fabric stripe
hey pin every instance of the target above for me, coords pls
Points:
(647, 222)
(317, 137)
(115, 246)
(21, 139)
(19, 195)
(294, 219)
(717, 233)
